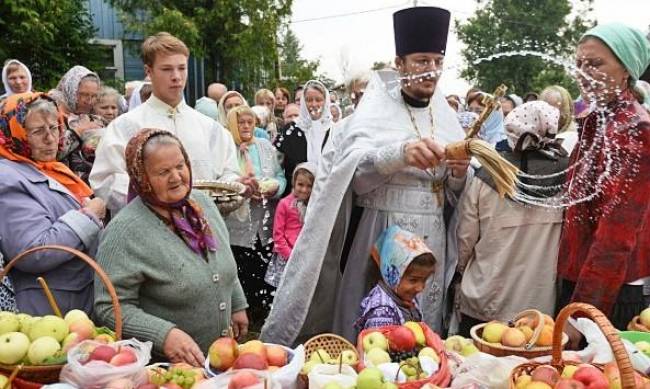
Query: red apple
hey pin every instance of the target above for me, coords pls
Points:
(568, 383)
(401, 339)
(546, 374)
(84, 328)
(276, 356)
(223, 353)
(102, 353)
(591, 377)
(250, 361)
(126, 356)
(243, 379)
(253, 347)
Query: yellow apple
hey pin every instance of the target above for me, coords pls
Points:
(42, 348)
(493, 332)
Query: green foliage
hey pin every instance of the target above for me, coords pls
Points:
(294, 70)
(547, 26)
(48, 36)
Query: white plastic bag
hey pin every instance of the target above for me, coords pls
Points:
(323, 374)
(486, 370)
(221, 381)
(98, 374)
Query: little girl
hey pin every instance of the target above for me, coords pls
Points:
(405, 264)
(289, 219)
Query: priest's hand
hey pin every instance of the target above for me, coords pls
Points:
(423, 154)
(180, 347)
(458, 167)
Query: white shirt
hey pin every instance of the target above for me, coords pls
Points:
(209, 146)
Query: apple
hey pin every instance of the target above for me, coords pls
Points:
(429, 352)
(569, 383)
(306, 368)
(568, 371)
(401, 339)
(377, 356)
(374, 339)
(250, 361)
(104, 338)
(644, 317)
(125, 356)
(70, 341)
(85, 328)
(223, 353)
(493, 332)
(370, 378)
(243, 379)
(643, 346)
(120, 383)
(455, 343)
(349, 357)
(9, 323)
(13, 348)
(522, 381)
(74, 315)
(253, 347)
(417, 332)
(320, 356)
(49, 326)
(41, 349)
(538, 385)
(102, 353)
(513, 337)
(591, 377)
(332, 385)
(276, 356)
(468, 349)
(547, 374)
(390, 385)
(4, 382)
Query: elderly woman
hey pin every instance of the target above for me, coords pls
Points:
(229, 100)
(43, 202)
(168, 256)
(605, 246)
(304, 140)
(528, 236)
(560, 98)
(251, 227)
(16, 78)
(80, 87)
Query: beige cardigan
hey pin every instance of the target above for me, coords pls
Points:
(507, 254)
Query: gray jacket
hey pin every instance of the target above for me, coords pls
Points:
(37, 210)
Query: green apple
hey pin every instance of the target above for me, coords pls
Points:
(417, 331)
(25, 322)
(375, 340)
(377, 356)
(306, 368)
(644, 317)
(320, 356)
(454, 343)
(9, 323)
(74, 315)
(370, 378)
(468, 349)
(4, 381)
(429, 352)
(13, 348)
(349, 357)
(332, 385)
(42, 348)
(643, 346)
(389, 385)
(49, 326)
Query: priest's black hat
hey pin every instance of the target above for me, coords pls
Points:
(421, 30)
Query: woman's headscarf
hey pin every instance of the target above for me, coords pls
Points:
(629, 45)
(532, 125)
(566, 107)
(315, 130)
(232, 122)
(69, 85)
(193, 228)
(223, 116)
(14, 145)
(5, 76)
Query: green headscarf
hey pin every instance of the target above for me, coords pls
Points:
(628, 44)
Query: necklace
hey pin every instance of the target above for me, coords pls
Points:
(415, 126)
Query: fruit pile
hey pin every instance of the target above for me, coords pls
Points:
(576, 377)
(460, 345)
(518, 335)
(225, 354)
(321, 356)
(45, 340)
(177, 376)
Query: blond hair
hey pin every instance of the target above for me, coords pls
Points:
(264, 93)
(162, 42)
(233, 120)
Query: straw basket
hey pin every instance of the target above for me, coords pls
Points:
(50, 373)
(528, 351)
(332, 343)
(618, 349)
(635, 325)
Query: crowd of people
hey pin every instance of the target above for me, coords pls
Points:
(352, 218)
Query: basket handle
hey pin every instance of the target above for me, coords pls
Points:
(537, 330)
(618, 349)
(117, 310)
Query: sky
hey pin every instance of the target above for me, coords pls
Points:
(348, 36)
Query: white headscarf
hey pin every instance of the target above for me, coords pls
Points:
(315, 130)
(223, 116)
(5, 77)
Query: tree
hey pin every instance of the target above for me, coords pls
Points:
(48, 36)
(236, 38)
(294, 70)
(545, 26)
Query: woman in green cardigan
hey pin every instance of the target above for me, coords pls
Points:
(168, 256)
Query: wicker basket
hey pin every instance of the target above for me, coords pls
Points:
(611, 333)
(635, 325)
(528, 351)
(50, 373)
(332, 343)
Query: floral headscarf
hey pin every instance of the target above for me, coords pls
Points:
(531, 123)
(193, 228)
(69, 85)
(394, 251)
(14, 145)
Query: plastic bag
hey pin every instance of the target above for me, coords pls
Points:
(98, 374)
(486, 370)
(323, 374)
(221, 381)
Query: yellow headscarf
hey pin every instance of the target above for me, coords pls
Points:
(233, 122)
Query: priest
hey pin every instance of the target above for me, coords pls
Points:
(391, 163)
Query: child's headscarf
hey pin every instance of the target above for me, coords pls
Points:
(394, 251)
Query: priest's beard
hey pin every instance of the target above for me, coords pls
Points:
(421, 88)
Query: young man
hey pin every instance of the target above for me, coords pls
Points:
(209, 146)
